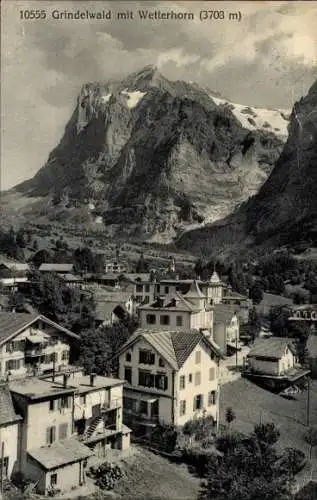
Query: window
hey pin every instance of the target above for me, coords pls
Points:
(128, 357)
(197, 378)
(50, 435)
(179, 320)
(166, 290)
(190, 378)
(198, 402)
(129, 403)
(52, 405)
(197, 357)
(151, 319)
(82, 399)
(14, 364)
(53, 480)
(158, 289)
(182, 382)
(146, 379)
(128, 374)
(143, 407)
(161, 381)
(65, 402)
(63, 431)
(212, 398)
(164, 319)
(182, 408)
(146, 357)
(139, 288)
(211, 374)
(139, 298)
(65, 356)
(147, 288)
(161, 362)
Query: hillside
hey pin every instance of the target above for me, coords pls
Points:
(284, 212)
(151, 158)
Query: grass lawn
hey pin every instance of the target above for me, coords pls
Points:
(253, 404)
(150, 476)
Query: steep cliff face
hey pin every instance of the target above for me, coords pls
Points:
(285, 208)
(153, 157)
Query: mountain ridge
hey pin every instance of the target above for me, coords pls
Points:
(154, 156)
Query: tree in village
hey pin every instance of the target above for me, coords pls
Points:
(256, 293)
(142, 266)
(248, 469)
(254, 323)
(230, 416)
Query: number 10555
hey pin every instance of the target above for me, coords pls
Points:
(32, 14)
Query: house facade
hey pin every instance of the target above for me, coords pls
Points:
(226, 329)
(31, 343)
(274, 356)
(178, 312)
(171, 377)
(66, 419)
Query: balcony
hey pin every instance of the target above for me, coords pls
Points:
(111, 405)
(141, 417)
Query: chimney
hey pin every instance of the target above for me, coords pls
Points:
(92, 379)
(65, 379)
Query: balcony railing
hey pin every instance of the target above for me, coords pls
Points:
(111, 405)
(141, 416)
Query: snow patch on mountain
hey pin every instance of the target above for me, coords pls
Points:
(133, 98)
(253, 118)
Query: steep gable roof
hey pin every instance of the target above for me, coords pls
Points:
(273, 347)
(174, 346)
(7, 411)
(13, 323)
(194, 291)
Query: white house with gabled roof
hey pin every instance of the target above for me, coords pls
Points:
(31, 344)
(171, 377)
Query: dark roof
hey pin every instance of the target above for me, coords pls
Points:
(60, 453)
(176, 302)
(12, 323)
(7, 411)
(52, 266)
(271, 299)
(194, 291)
(174, 346)
(274, 347)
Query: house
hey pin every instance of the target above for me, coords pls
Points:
(71, 280)
(178, 312)
(214, 289)
(97, 414)
(311, 347)
(47, 451)
(114, 267)
(226, 327)
(112, 304)
(9, 433)
(171, 375)
(13, 268)
(32, 343)
(53, 267)
(66, 419)
(274, 356)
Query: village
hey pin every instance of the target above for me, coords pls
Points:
(191, 362)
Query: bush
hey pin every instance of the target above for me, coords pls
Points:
(198, 459)
(106, 475)
(292, 461)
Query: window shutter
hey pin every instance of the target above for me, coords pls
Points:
(48, 435)
(202, 401)
(157, 381)
(53, 434)
(165, 383)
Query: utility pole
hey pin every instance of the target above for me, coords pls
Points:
(1, 468)
(308, 404)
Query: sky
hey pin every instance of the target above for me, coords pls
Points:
(267, 59)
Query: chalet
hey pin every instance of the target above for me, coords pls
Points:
(32, 343)
(275, 356)
(171, 375)
(112, 304)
